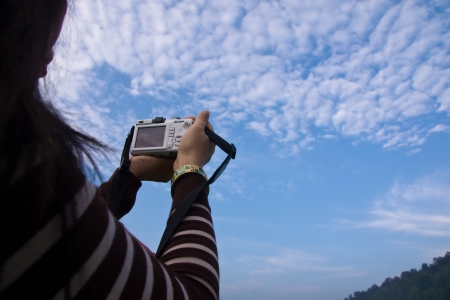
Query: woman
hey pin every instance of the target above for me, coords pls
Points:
(59, 240)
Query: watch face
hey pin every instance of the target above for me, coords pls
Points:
(149, 137)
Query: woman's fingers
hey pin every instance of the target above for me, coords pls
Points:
(195, 147)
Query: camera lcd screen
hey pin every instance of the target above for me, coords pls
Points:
(148, 137)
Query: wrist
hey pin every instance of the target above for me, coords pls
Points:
(134, 168)
(188, 169)
(187, 161)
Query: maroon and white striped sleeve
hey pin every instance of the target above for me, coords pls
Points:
(97, 258)
(192, 250)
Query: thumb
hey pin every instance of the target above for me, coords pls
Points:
(202, 119)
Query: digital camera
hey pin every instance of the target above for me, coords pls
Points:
(158, 136)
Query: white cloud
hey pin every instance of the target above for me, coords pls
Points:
(414, 151)
(287, 261)
(439, 128)
(272, 272)
(329, 136)
(421, 207)
(369, 70)
(298, 289)
(259, 127)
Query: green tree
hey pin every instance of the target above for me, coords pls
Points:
(431, 282)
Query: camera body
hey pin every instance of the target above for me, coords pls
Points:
(158, 136)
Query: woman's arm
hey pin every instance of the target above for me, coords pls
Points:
(188, 268)
(129, 196)
(191, 254)
(86, 253)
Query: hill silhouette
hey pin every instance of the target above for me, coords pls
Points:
(431, 282)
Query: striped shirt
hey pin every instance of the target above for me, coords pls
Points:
(81, 251)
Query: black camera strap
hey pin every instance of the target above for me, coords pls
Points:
(117, 189)
(183, 207)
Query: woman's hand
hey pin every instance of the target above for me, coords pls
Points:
(152, 168)
(195, 147)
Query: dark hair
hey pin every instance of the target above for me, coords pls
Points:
(31, 129)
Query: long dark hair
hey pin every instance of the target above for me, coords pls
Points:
(31, 129)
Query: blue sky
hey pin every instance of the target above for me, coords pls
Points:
(339, 111)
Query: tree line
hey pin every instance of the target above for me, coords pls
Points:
(431, 282)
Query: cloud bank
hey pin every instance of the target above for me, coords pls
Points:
(291, 71)
(421, 207)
